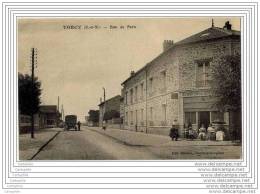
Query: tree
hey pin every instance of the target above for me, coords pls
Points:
(93, 115)
(111, 114)
(226, 74)
(29, 95)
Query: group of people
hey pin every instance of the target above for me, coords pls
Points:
(202, 133)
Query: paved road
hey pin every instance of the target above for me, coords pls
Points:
(96, 144)
(90, 145)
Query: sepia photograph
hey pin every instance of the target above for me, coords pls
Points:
(129, 88)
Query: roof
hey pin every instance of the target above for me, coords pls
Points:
(117, 96)
(211, 33)
(48, 109)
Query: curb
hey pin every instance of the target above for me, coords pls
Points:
(128, 144)
(44, 145)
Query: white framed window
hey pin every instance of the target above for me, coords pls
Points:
(141, 90)
(131, 96)
(151, 84)
(163, 79)
(164, 109)
(136, 93)
(190, 117)
(203, 75)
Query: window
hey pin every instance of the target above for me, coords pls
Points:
(164, 112)
(203, 73)
(136, 93)
(217, 116)
(151, 113)
(151, 84)
(126, 117)
(190, 117)
(136, 117)
(131, 96)
(142, 114)
(142, 91)
(126, 98)
(131, 118)
(163, 78)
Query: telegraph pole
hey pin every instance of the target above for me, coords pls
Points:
(104, 107)
(62, 113)
(58, 104)
(32, 92)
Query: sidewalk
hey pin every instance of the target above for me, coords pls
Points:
(28, 146)
(143, 139)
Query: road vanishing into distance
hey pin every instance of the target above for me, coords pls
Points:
(91, 145)
(97, 144)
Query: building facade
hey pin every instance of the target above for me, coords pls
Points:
(112, 106)
(49, 116)
(176, 85)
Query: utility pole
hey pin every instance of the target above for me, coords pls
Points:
(104, 107)
(58, 104)
(146, 111)
(62, 113)
(32, 113)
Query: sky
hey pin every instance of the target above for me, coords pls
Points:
(76, 58)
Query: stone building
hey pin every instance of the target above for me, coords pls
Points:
(176, 85)
(112, 106)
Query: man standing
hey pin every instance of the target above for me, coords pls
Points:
(78, 125)
(174, 132)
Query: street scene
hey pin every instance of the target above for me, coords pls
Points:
(129, 89)
(93, 143)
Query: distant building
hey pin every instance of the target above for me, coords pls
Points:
(110, 109)
(49, 116)
(176, 85)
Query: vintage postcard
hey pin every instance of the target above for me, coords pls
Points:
(129, 88)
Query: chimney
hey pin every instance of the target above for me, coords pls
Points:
(167, 44)
(132, 73)
(227, 26)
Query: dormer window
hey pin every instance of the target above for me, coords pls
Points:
(205, 34)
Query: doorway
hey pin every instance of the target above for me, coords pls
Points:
(204, 118)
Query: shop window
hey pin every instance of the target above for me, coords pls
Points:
(190, 117)
(217, 116)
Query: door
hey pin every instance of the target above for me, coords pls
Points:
(204, 118)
